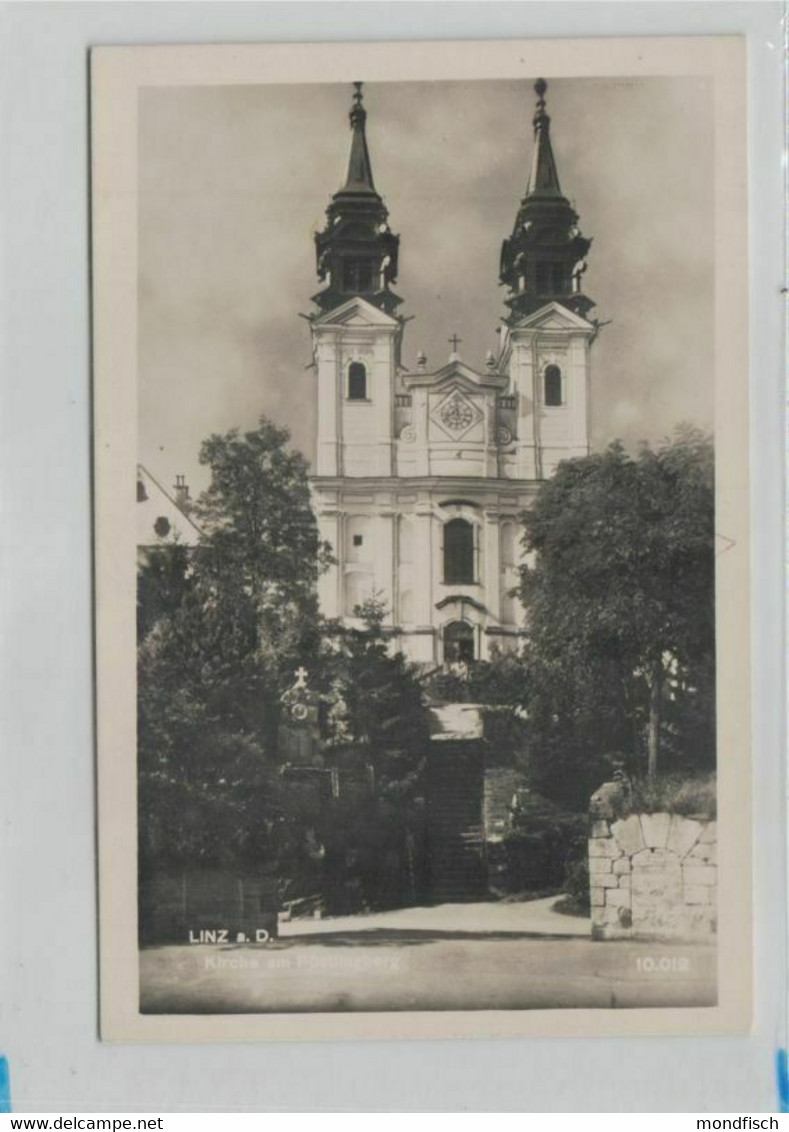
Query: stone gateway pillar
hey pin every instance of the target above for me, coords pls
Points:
(651, 876)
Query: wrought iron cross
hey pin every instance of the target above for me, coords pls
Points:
(454, 342)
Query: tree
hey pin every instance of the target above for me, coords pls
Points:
(260, 548)
(213, 662)
(378, 701)
(376, 720)
(620, 597)
(162, 582)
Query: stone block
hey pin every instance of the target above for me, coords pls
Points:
(703, 854)
(617, 898)
(656, 891)
(610, 931)
(616, 922)
(683, 833)
(709, 834)
(655, 859)
(604, 847)
(621, 865)
(596, 896)
(605, 801)
(655, 830)
(628, 834)
(700, 921)
(697, 894)
(606, 880)
(624, 881)
(599, 865)
(694, 875)
(601, 829)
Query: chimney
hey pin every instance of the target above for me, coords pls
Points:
(181, 491)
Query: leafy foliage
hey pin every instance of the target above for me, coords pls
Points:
(162, 583)
(620, 600)
(211, 667)
(377, 719)
(541, 845)
(498, 685)
(378, 702)
(220, 636)
(693, 796)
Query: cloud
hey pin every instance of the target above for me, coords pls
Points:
(235, 180)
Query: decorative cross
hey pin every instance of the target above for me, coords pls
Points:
(454, 342)
(301, 678)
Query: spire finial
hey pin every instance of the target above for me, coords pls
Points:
(358, 113)
(360, 174)
(544, 179)
(540, 116)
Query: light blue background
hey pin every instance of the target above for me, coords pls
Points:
(48, 993)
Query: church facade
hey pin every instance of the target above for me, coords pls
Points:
(421, 474)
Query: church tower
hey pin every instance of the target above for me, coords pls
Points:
(548, 335)
(356, 334)
(422, 474)
(356, 251)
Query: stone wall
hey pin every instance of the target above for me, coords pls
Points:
(651, 875)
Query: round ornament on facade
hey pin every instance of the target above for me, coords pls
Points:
(457, 414)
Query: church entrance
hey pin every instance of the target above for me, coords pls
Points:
(459, 643)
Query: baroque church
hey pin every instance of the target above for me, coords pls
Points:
(421, 474)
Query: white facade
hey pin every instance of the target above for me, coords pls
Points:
(421, 475)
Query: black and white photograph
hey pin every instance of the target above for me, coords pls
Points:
(429, 388)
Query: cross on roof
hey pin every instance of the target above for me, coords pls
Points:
(454, 342)
(301, 677)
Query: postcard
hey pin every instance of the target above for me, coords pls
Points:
(421, 490)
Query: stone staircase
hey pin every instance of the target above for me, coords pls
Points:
(458, 864)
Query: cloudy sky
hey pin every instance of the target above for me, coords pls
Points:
(234, 181)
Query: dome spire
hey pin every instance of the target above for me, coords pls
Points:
(543, 178)
(544, 259)
(356, 253)
(360, 172)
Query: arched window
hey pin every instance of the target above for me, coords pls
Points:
(458, 642)
(357, 382)
(552, 380)
(458, 552)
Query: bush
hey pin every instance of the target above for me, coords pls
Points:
(576, 886)
(537, 852)
(670, 794)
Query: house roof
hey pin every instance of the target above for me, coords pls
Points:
(160, 521)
